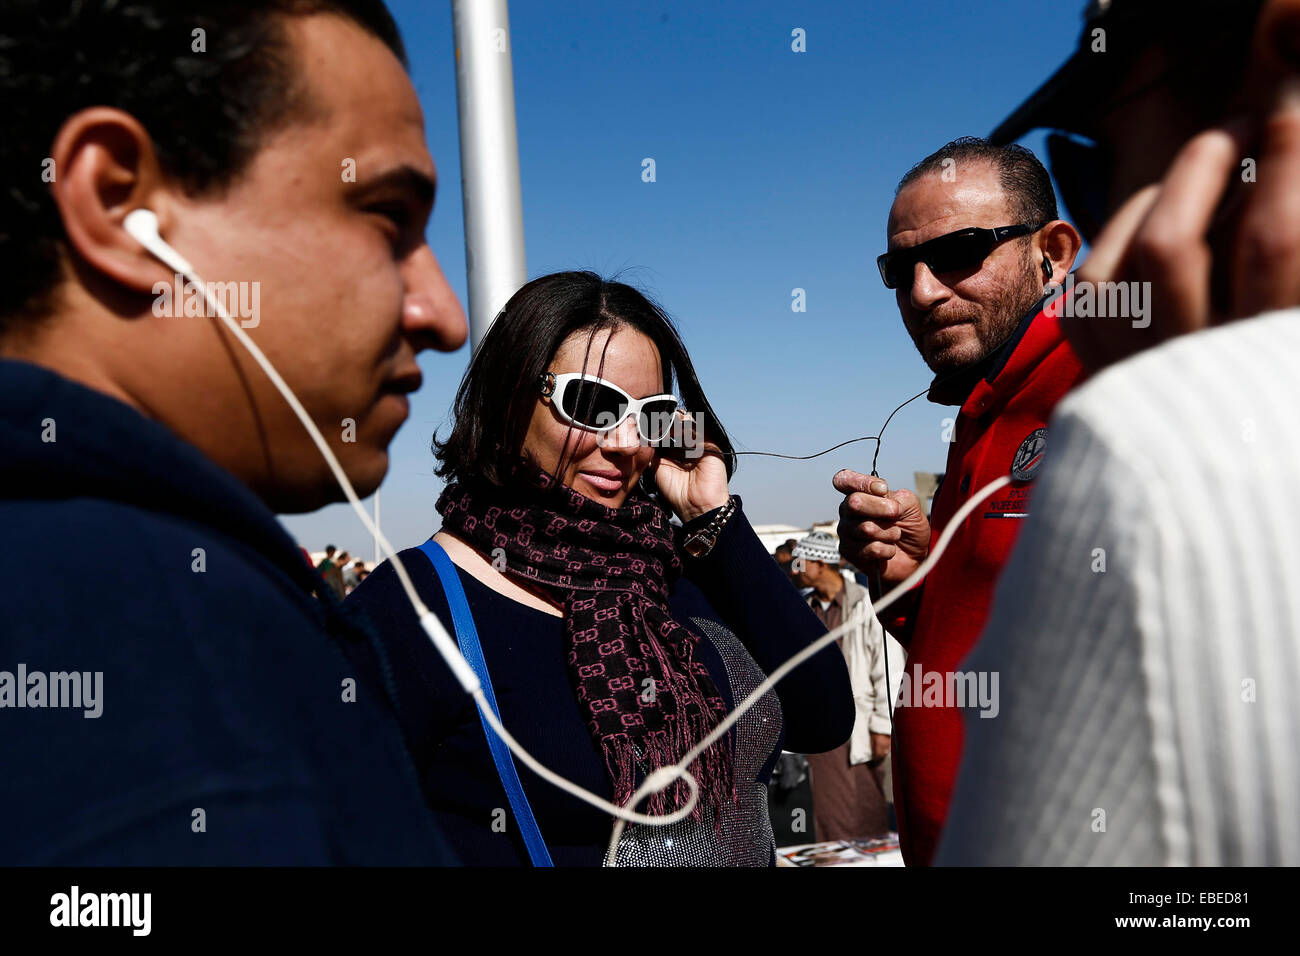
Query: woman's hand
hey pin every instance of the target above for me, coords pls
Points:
(692, 486)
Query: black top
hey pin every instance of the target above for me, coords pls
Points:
(222, 690)
(737, 584)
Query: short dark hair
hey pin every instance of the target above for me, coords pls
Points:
(207, 111)
(1023, 178)
(494, 403)
(330, 548)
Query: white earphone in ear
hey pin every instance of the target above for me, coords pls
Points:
(142, 226)
(141, 223)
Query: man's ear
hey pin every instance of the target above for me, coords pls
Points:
(1060, 243)
(107, 166)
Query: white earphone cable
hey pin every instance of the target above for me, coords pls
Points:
(143, 226)
(885, 601)
(144, 229)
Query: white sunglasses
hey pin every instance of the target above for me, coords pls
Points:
(595, 405)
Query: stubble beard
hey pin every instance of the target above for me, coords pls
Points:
(990, 334)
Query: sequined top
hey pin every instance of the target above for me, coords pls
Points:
(750, 619)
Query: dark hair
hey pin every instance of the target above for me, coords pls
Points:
(1023, 178)
(329, 548)
(1208, 44)
(207, 111)
(494, 403)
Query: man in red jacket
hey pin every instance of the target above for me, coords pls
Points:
(975, 246)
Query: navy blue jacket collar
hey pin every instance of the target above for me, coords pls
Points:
(103, 448)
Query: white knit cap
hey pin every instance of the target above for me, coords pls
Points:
(819, 546)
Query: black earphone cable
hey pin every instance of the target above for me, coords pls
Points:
(875, 438)
(880, 589)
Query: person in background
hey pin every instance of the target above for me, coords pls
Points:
(848, 783)
(789, 800)
(855, 573)
(244, 721)
(1147, 628)
(975, 247)
(352, 576)
(333, 575)
(615, 640)
(326, 565)
(784, 555)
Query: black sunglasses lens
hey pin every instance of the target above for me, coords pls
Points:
(657, 419)
(592, 404)
(1079, 169)
(958, 253)
(889, 270)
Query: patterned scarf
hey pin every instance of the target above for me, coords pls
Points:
(646, 698)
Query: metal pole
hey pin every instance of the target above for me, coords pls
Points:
(489, 159)
(378, 557)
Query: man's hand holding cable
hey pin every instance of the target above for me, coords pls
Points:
(881, 530)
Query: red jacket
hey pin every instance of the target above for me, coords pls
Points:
(1001, 428)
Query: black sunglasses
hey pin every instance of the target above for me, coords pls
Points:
(1080, 159)
(1081, 169)
(960, 251)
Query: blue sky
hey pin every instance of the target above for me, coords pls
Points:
(775, 170)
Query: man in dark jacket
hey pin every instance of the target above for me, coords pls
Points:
(236, 718)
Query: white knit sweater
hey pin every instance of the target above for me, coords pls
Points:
(1150, 712)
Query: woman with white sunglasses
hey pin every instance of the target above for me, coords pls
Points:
(612, 640)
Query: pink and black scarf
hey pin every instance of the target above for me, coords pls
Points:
(646, 697)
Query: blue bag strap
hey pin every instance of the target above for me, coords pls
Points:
(467, 637)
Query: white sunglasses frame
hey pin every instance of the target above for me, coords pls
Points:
(553, 384)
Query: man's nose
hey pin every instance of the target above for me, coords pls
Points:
(623, 437)
(927, 291)
(432, 317)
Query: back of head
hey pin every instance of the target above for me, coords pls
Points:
(820, 546)
(1198, 49)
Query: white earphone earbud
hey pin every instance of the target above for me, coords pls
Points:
(142, 226)
(141, 223)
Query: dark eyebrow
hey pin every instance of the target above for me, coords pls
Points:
(416, 183)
